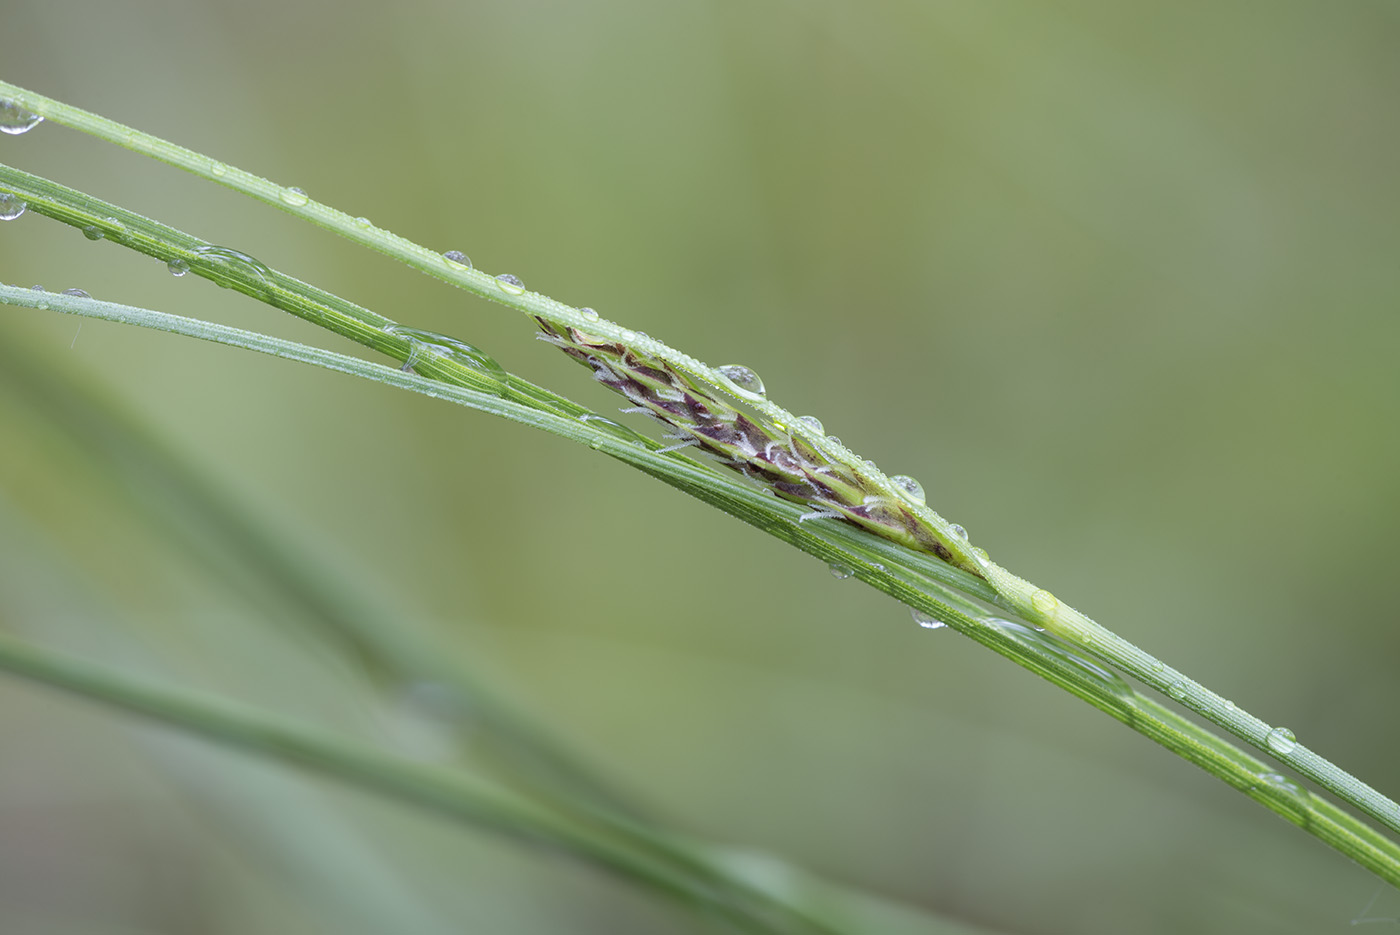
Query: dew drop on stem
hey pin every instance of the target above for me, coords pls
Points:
(910, 487)
(75, 291)
(839, 571)
(588, 314)
(812, 423)
(295, 197)
(457, 259)
(177, 267)
(93, 232)
(1281, 740)
(744, 379)
(925, 621)
(510, 284)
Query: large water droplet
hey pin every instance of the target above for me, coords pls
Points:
(444, 345)
(457, 259)
(958, 531)
(909, 487)
(748, 383)
(1177, 689)
(229, 264)
(294, 197)
(1106, 679)
(510, 284)
(177, 267)
(588, 314)
(1044, 602)
(616, 429)
(840, 571)
(1281, 741)
(15, 120)
(218, 169)
(93, 232)
(116, 227)
(11, 206)
(812, 424)
(78, 292)
(926, 621)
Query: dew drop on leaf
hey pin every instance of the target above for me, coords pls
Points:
(11, 206)
(15, 120)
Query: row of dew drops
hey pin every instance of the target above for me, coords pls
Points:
(15, 120)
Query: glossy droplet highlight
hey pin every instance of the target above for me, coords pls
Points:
(511, 285)
(11, 206)
(1177, 689)
(80, 293)
(748, 383)
(1044, 602)
(93, 232)
(218, 169)
(909, 487)
(925, 621)
(363, 223)
(1281, 741)
(840, 571)
(457, 259)
(177, 267)
(812, 424)
(588, 314)
(958, 531)
(294, 197)
(15, 120)
(116, 227)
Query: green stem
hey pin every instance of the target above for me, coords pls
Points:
(451, 794)
(874, 561)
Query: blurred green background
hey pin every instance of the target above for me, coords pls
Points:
(1117, 282)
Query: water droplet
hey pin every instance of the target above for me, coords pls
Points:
(457, 259)
(588, 314)
(909, 487)
(364, 222)
(925, 621)
(1044, 602)
(1158, 667)
(218, 169)
(443, 345)
(117, 228)
(612, 428)
(15, 120)
(958, 531)
(812, 424)
(294, 197)
(748, 383)
(1283, 784)
(11, 206)
(230, 266)
(1177, 689)
(1281, 741)
(510, 284)
(177, 267)
(78, 292)
(93, 232)
(37, 287)
(840, 571)
(1107, 680)
(627, 335)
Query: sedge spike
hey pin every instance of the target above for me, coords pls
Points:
(764, 451)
